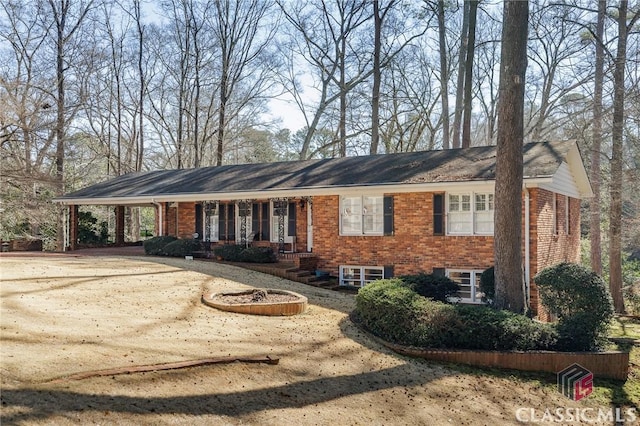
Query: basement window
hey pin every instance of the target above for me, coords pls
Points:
(469, 282)
(359, 276)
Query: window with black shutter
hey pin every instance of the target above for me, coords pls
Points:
(438, 214)
(388, 215)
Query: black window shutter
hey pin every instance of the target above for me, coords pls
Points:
(222, 222)
(198, 228)
(265, 231)
(255, 220)
(438, 214)
(388, 271)
(292, 219)
(231, 222)
(439, 272)
(388, 215)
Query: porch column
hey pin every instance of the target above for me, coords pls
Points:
(73, 227)
(119, 225)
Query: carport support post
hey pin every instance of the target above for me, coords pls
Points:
(119, 225)
(73, 227)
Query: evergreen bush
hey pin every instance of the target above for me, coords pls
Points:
(182, 248)
(436, 287)
(394, 312)
(238, 253)
(154, 246)
(581, 301)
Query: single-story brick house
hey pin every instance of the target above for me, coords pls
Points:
(363, 218)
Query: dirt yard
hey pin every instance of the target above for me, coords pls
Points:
(62, 315)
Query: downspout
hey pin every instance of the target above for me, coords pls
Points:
(527, 254)
(159, 206)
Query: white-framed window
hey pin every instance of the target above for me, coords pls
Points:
(469, 282)
(470, 213)
(359, 276)
(362, 215)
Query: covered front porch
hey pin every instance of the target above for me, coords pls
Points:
(284, 223)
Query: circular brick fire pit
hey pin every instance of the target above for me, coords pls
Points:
(258, 302)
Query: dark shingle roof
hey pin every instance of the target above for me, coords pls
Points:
(541, 159)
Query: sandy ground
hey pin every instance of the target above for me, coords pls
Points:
(63, 315)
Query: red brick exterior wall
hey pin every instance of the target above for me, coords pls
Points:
(548, 245)
(170, 217)
(119, 225)
(186, 220)
(411, 249)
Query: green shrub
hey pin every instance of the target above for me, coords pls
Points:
(229, 252)
(436, 287)
(238, 253)
(485, 328)
(154, 246)
(89, 231)
(581, 301)
(392, 311)
(181, 248)
(488, 285)
(259, 255)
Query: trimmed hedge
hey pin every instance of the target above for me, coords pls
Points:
(581, 301)
(394, 312)
(238, 253)
(155, 245)
(436, 287)
(181, 248)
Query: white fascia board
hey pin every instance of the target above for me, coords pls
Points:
(297, 192)
(574, 160)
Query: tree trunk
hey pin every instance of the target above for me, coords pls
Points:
(342, 125)
(375, 96)
(615, 213)
(140, 28)
(60, 125)
(509, 285)
(468, 75)
(457, 115)
(594, 169)
(444, 75)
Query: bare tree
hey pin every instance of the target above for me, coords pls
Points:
(378, 18)
(625, 23)
(554, 47)
(237, 28)
(67, 20)
(596, 147)
(508, 193)
(468, 75)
